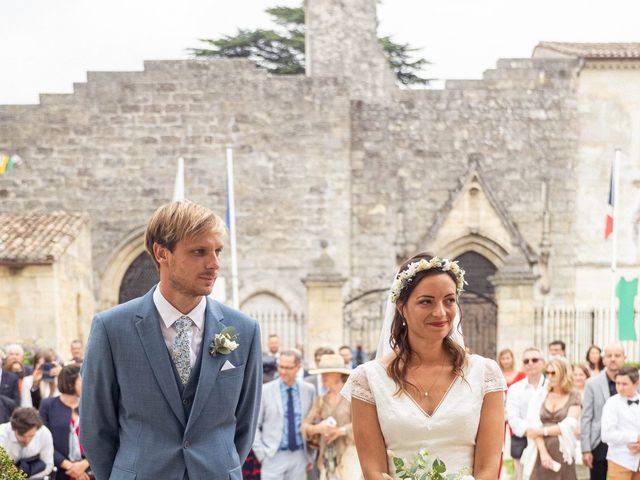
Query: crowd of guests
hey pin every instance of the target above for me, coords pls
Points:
(304, 426)
(39, 422)
(561, 415)
(558, 415)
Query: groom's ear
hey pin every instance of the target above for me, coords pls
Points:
(160, 253)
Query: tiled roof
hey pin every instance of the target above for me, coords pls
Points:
(37, 238)
(602, 51)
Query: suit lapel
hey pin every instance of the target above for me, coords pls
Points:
(605, 386)
(148, 326)
(211, 364)
(278, 398)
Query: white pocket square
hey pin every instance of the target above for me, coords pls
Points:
(227, 366)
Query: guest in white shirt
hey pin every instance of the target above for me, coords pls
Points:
(28, 442)
(621, 427)
(518, 397)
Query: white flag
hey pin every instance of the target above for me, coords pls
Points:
(178, 189)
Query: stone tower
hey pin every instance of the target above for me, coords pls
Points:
(341, 42)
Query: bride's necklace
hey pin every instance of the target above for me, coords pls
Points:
(433, 384)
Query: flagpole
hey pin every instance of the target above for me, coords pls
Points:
(232, 227)
(613, 319)
(178, 187)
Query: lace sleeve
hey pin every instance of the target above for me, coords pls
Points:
(494, 380)
(358, 386)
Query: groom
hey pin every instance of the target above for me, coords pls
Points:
(172, 380)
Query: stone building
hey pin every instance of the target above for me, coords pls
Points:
(340, 175)
(45, 278)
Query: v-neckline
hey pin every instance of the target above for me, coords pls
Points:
(413, 400)
(553, 412)
(435, 410)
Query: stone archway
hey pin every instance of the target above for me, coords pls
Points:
(141, 275)
(478, 303)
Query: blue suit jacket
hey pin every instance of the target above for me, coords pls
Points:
(132, 421)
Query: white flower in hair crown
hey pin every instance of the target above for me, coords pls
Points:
(436, 263)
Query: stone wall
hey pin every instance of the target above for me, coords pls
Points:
(111, 148)
(408, 159)
(49, 305)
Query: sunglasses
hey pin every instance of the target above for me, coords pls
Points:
(532, 360)
(550, 372)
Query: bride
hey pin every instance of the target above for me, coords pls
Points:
(423, 391)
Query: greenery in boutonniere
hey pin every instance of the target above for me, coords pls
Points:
(224, 342)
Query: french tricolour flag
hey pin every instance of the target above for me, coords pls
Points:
(608, 226)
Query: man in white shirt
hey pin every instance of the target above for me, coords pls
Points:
(621, 427)
(518, 397)
(28, 442)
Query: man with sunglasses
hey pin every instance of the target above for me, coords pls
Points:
(518, 397)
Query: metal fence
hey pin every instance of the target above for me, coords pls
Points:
(290, 327)
(579, 328)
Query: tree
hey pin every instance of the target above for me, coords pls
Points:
(282, 51)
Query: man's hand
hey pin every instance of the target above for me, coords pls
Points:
(587, 459)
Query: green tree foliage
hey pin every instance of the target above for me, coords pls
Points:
(282, 51)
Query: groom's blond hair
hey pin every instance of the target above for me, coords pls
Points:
(176, 221)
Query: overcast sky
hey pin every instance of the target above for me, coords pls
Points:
(46, 45)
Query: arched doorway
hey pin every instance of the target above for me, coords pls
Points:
(141, 275)
(480, 311)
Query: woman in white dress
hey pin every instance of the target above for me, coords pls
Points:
(427, 393)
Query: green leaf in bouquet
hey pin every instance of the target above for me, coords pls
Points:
(398, 462)
(439, 466)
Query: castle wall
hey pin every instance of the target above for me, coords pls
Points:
(408, 159)
(111, 149)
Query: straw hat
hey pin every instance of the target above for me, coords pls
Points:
(331, 363)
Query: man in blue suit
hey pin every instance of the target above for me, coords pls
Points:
(172, 380)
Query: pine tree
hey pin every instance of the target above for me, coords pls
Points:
(282, 51)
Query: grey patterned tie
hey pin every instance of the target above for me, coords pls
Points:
(182, 348)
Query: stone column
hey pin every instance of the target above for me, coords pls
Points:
(325, 322)
(515, 298)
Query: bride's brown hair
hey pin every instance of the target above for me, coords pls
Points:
(399, 339)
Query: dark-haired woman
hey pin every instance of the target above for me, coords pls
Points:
(60, 415)
(428, 393)
(594, 360)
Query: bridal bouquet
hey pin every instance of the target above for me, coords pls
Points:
(423, 469)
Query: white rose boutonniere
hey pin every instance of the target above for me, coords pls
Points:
(224, 342)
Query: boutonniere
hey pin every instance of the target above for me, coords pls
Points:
(224, 342)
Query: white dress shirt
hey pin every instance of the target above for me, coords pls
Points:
(518, 397)
(169, 314)
(621, 426)
(41, 445)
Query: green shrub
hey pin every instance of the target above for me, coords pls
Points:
(8, 470)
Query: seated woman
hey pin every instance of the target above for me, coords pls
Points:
(330, 419)
(552, 453)
(60, 415)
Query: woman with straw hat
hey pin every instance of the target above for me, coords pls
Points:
(329, 423)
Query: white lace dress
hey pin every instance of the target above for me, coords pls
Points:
(450, 432)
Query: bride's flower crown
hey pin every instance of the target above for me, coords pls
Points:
(436, 263)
